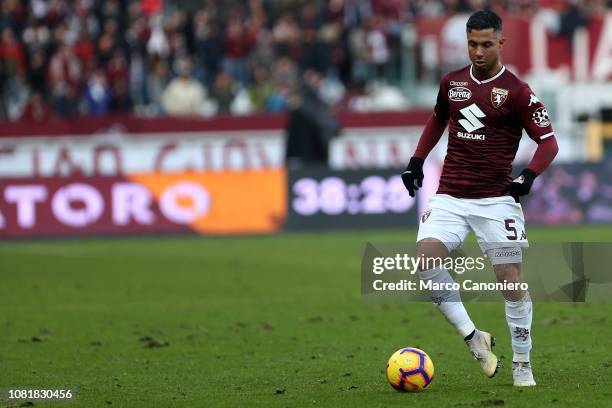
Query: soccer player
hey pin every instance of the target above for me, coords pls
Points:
(486, 107)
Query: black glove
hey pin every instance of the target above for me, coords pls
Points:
(521, 185)
(413, 172)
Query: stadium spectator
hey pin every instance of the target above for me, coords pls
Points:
(36, 110)
(65, 76)
(208, 47)
(356, 12)
(377, 47)
(97, 94)
(85, 49)
(136, 41)
(286, 36)
(12, 54)
(120, 99)
(13, 14)
(37, 72)
(184, 96)
(285, 74)
(12, 57)
(36, 37)
(237, 45)
(261, 89)
(311, 126)
(223, 92)
(137, 76)
(156, 83)
(263, 52)
(157, 43)
(453, 54)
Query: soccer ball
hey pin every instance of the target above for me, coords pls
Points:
(410, 369)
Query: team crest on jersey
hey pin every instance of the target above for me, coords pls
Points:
(499, 96)
(426, 215)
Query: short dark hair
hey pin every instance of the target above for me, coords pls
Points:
(483, 19)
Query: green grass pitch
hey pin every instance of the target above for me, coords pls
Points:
(265, 321)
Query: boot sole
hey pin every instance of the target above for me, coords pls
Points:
(497, 360)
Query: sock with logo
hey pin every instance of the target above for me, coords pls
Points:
(519, 315)
(449, 301)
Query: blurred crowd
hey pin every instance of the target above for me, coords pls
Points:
(68, 58)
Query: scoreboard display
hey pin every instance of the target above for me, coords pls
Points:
(322, 199)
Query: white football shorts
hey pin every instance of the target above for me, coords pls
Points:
(498, 222)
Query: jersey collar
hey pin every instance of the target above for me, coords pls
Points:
(501, 71)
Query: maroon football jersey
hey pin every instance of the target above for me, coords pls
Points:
(486, 120)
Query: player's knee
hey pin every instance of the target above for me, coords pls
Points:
(508, 272)
(429, 250)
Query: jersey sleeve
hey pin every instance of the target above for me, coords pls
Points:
(434, 128)
(532, 115)
(442, 110)
(535, 120)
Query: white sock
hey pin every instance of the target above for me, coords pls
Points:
(449, 301)
(519, 315)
